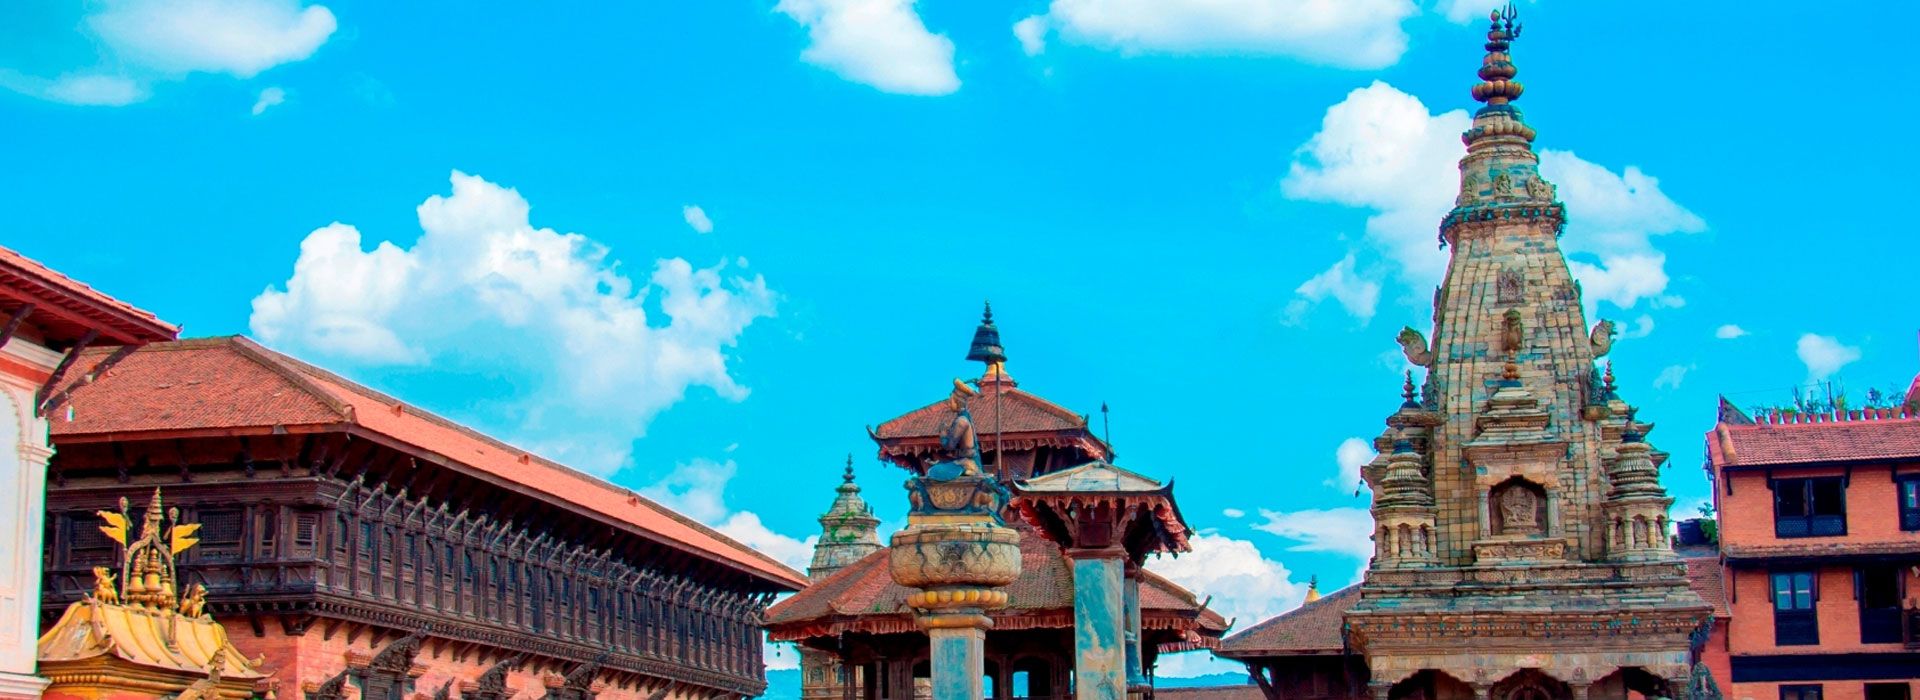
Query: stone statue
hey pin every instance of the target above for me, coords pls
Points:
(1414, 344)
(1539, 189)
(1512, 333)
(959, 445)
(1601, 338)
(1518, 511)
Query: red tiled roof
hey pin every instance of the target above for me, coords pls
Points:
(1312, 628)
(1776, 439)
(66, 309)
(864, 597)
(1015, 411)
(234, 384)
(1215, 692)
(1706, 577)
(1835, 550)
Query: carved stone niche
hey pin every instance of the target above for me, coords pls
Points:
(1517, 508)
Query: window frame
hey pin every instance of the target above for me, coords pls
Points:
(1908, 511)
(1808, 523)
(1802, 691)
(1801, 624)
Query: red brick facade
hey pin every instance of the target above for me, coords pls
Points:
(1822, 575)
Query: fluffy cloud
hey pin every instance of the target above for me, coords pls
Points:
(1464, 11)
(697, 489)
(237, 37)
(1382, 150)
(268, 99)
(594, 356)
(1357, 294)
(1347, 531)
(1351, 34)
(881, 43)
(1245, 585)
(147, 41)
(1824, 355)
(1352, 454)
(1234, 513)
(1729, 332)
(697, 219)
(1032, 33)
(1671, 377)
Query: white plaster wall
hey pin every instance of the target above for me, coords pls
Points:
(23, 487)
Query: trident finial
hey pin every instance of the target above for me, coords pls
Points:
(1496, 69)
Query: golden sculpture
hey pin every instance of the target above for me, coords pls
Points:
(139, 638)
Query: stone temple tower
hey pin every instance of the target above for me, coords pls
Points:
(847, 535)
(1521, 544)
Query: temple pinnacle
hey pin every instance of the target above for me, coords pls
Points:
(1497, 69)
(1409, 398)
(986, 340)
(848, 477)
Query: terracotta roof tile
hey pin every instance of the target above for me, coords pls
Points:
(1706, 577)
(866, 589)
(1017, 412)
(1840, 549)
(234, 382)
(1312, 628)
(1826, 439)
(67, 307)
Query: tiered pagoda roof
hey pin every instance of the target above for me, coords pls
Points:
(1002, 412)
(232, 386)
(862, 598)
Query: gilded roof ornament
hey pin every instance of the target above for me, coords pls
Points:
(1496, 69)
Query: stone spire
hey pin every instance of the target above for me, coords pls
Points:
(847, 530)
(1403, 511)
(1636, 505)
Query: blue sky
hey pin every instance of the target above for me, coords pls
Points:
(1213, 222)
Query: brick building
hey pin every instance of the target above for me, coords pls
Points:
(369, 549)
(1820, 537)
(46, 321)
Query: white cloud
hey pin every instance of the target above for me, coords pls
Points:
(1641, 328)
(1465, 11)
(1234, 513)
(881, 43)
(697, 218)
(1350, 34)
(147, 41)
(1824, 355)
(1246, 587)
(697, 489)
(1357, 294)
(269, 98)
(1347, 531)
(594, 354)
(1671, 377)
(1352, 454)
(1729, 332)
(1382, 150)
(1032, 33)
(238, 37)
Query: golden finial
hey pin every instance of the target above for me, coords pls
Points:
(1409, 398)
(1496, 69)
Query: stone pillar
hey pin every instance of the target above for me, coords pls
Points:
(957, 643)
(1581, 691)
(1482, 691)
(1099, 624)
(1379, 691)
(1136, 657)
(23, 490)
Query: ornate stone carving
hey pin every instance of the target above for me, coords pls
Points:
(1600, 339)
(1414, 344)
(1510, 287)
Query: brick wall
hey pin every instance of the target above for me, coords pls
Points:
(1873, 515)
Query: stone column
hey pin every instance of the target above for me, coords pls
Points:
(1379, 691)
(1581, 691)
(958, 654)
(1099, 624)
(956, 552)
(1136, 657)
(1482, 691)
(23, 489)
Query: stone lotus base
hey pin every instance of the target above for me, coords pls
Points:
(933, 557)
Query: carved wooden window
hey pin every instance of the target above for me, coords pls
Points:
(1879, 590)
(220, 533)
(366, 541)
(266, 532)
(1814, 507)
(306, 534)
(1795, 595)
(342, 533)
(89, 544)
(412, 559)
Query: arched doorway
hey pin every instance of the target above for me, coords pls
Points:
(1531, 684)
(1430, 685)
